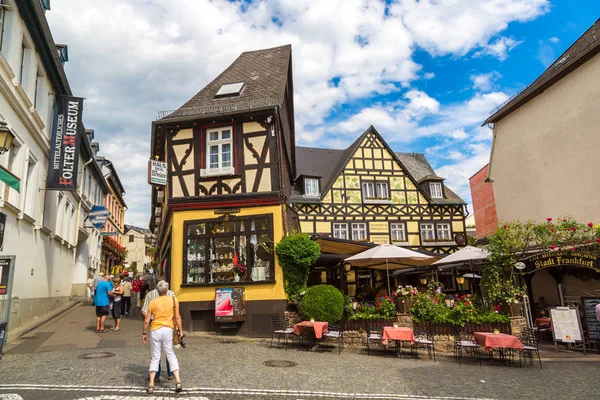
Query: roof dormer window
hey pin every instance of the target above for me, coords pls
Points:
(311, 187)
(435, 188)
(231, 90)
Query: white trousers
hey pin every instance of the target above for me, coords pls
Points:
(162, 338)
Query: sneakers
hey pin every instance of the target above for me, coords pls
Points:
(171, 377)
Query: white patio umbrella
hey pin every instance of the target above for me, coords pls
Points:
(473, 276)
(467, 254)
(398, 257)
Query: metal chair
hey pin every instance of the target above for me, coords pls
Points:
(465, 342)
(280, 330)
(374, 336)
(530, 346)
(425, 339)
(336, 332)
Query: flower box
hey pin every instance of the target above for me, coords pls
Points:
(404, 304)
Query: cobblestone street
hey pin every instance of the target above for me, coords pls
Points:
(66, 359)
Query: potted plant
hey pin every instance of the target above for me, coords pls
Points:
(240, 271)
(404, 301)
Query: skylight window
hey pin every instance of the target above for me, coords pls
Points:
(231, 89)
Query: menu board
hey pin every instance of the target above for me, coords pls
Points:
(566, 326)
(593, 325)
(230, 304)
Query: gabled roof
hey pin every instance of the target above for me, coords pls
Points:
(586, 47)
(329, 164)
(265, 73)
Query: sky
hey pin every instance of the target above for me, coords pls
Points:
(425, 74)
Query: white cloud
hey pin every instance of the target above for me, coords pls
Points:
(499, 48)
(144, 56)
(554, 40)
(484, 82)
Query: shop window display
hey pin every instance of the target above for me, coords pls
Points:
(229, 249)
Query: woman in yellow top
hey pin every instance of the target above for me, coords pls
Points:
(164, 321)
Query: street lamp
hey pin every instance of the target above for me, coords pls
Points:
(460, 280)
(423, 280)
(347, 267)
(6, 137)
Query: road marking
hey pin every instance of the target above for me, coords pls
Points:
(10, 396)
(111, 397)
(209, 391)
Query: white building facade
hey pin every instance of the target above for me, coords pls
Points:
(44, 229)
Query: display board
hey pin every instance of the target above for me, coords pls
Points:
(4, 273)
(566, 326)
(230, 304)
(589, 308)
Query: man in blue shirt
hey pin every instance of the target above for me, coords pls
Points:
(103, 291)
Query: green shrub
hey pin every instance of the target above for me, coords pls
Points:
(296, 253)
(384, 309)
(323, 303)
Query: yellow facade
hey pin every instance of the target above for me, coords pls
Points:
(256, 291)
(345, 202)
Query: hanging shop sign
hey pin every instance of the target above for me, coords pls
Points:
(157, 173)
(98, 216)
(562, 259)
(110, 233)
(230, 304)
(66, 138)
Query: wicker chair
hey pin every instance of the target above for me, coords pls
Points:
(280, 330)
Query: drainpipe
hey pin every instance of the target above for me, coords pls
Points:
(489, 172)
(77, 219)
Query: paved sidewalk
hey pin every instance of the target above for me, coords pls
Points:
(68, 360)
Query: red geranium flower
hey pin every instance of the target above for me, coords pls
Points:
(548, 219)
(574, 229)
(598, 240)
(591, 224)
(505, 226)
(553, 247)
(378, 304)
(571, 248)
(467, 303)
(552, 229)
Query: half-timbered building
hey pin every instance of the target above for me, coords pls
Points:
(230, 156)
(370, 193)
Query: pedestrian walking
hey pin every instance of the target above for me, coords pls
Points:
(89, 288)
(151, 295)
(117, 294)
(145, 287)
(164, 313)
(126, 297)
(101, 299)
(136, 286)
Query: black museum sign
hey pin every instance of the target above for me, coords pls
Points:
(562, 259)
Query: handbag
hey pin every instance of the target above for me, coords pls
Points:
(176, 339)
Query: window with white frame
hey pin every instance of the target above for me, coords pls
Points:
(427, 232)
(340, 231)
(435, 188)
(444, 233)
(72, 228)
(40, 99)
(311, 187)
(64, 232)
(219, 151)
(60, 213)
(398, 232)
(375, 191)
(30, 189)
(359, 231)
(6, 29)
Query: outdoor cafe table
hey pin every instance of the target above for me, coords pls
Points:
(397, 334)
(318, 327)
(491, 340)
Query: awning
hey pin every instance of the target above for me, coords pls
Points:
(10, 179)
(344, 247)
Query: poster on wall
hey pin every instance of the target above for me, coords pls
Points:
(64, 146)
(230, 304)
(4, 273)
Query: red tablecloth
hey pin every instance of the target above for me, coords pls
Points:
(400, 333)
(319, 327)
(491, 340)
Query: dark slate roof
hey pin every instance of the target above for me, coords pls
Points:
(586, 47)
(265, 73)
(328, 164)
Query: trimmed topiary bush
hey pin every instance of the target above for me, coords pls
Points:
(296, 253)
(323, 303)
